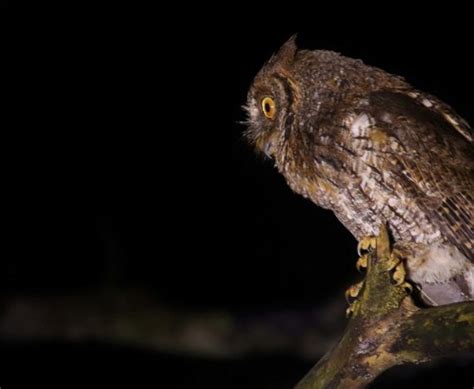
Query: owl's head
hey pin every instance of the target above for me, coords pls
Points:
(272, 100)
(299, 94)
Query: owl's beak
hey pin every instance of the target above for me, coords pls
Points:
(266, 145)
(268, 149)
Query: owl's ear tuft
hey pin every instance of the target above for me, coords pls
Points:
(286, 55)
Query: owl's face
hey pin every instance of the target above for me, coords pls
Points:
(270, 116)
(271, 104)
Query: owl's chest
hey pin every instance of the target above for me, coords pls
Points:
(363, 197)
(367, 199)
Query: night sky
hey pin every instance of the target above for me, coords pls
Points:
(132, 188)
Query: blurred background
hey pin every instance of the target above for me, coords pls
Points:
(147, 259)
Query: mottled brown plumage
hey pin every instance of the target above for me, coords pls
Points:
(370, 147)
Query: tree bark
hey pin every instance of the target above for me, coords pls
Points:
(387, 329)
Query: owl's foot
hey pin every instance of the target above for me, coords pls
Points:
(362, 262)
(399, 272)
(351, 297)
(352, 308)
(366, 244)
(364, 248)
(353, 291)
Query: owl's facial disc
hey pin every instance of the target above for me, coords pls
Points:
(264, 118)
(269, 114)
(271, 102)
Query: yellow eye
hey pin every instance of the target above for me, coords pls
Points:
(269, 107)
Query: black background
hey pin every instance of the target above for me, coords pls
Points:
(136, 152)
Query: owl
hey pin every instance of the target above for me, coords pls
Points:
(367, 145)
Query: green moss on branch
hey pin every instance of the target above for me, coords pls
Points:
(387, 329)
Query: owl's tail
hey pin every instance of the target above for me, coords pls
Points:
(456, 289)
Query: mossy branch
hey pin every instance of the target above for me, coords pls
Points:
(387, 329)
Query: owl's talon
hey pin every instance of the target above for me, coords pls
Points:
(362, 262)
(399, 274)
(367, 243)
(349, 311)
(408, 287)
(393, 261)
(353, 291)
(352, 308)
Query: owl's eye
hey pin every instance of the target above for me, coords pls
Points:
(269, 107)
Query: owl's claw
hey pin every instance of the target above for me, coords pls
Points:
(365, 246)
(367, 243)
(394, 264)
(349, 311)
(399, 274)
(351, 297)
(362, 262)
(408, 287)
(353, 291)
(352, 308)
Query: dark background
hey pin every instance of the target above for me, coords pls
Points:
(131, 188)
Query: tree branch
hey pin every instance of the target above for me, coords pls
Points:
(387, 329)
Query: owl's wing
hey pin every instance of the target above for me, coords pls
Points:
(443, 109)
(429, 148)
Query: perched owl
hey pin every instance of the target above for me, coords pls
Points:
(370, 147)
